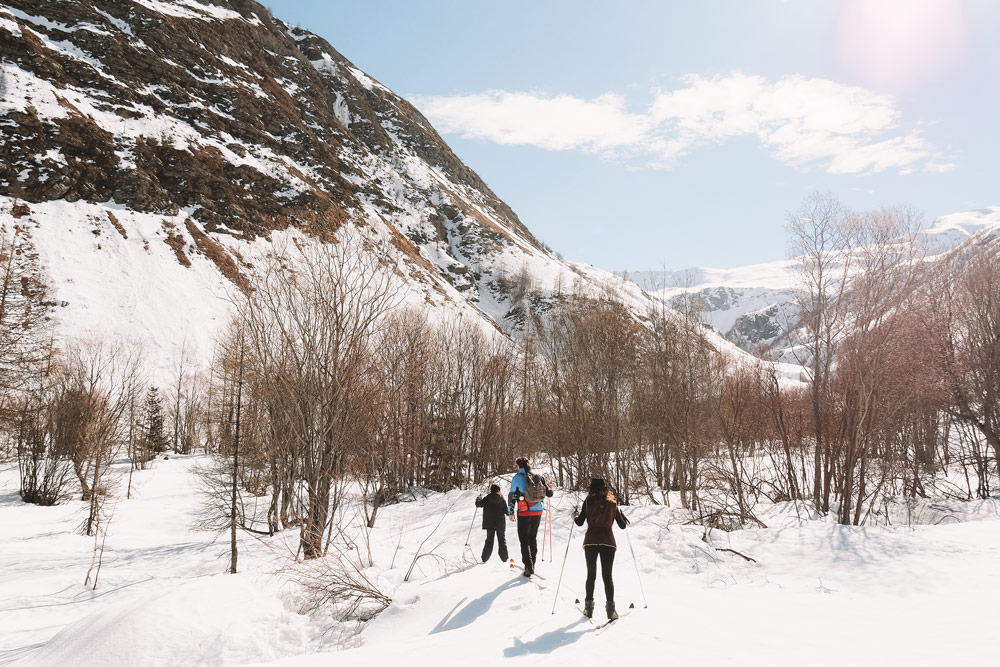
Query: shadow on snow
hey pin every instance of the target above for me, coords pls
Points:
(472, 610)
(548, 642)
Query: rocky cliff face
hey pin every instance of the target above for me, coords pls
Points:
(748, 317)
(209, 125)
(218, 108)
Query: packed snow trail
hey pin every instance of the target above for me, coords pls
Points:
(819, 593)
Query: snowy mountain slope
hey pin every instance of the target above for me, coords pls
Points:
(163, 142)
(163, 599)
(756, 304)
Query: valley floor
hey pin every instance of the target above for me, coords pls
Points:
(818, 593)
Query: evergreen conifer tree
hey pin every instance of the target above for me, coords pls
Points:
(156, 440)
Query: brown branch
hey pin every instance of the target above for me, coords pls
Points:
(733, 551)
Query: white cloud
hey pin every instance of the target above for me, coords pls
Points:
(800, 121)
(554, 123)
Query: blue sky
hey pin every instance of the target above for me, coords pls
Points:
(648, 135)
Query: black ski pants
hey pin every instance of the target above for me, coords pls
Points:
(527, 535)
(607, 555)
(501, 543)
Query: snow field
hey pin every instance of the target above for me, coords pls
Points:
(819, 593)
(134, 289)
(161, 598)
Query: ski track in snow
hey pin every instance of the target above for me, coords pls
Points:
(819, 593)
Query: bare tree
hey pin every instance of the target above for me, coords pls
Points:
(103, 378)
(180, 399)
(744, 430)
(887, 274)
(820, 241)
(36, 424)
(965, 323)
(234, 478)
(308, 325)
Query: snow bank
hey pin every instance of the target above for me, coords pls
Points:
(212, 621)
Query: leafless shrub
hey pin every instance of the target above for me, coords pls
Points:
(336, 585)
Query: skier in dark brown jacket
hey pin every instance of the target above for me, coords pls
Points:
(600, 511)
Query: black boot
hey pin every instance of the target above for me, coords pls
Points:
(612, 614)
(588, 608)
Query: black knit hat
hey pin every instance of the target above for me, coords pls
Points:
(597, 484)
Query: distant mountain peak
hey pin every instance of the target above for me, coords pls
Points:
(756, 304)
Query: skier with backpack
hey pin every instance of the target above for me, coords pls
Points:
(494, 512)
(600, 511)
(527, 493)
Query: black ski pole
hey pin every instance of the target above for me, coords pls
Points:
(565, 557)
(471, 524)
(636, 563)
(551, 547)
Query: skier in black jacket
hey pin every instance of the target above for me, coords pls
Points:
(494, 513)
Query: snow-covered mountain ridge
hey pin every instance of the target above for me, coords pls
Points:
(152, 149)
(756, 303)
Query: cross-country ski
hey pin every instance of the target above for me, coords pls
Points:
(600, 623)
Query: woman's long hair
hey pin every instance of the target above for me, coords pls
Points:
(599, 490)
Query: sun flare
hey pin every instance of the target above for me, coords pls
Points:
(900, 44)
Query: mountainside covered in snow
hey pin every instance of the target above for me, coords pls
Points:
(152, 149)
(756, 304)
